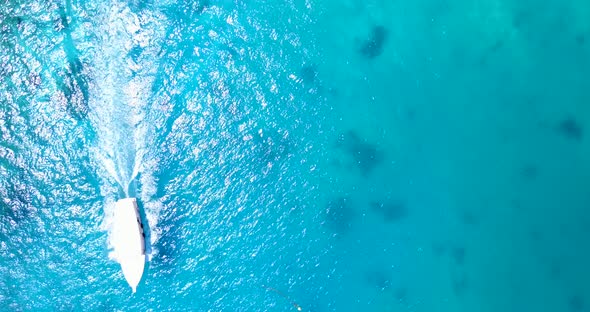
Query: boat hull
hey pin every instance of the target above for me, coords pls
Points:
(128, 240)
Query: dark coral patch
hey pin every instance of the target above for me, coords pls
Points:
(366, 156)
(308, 74)
(390, 211)
(580, 39)
(555, 270)
(372, 47)
(529, 172)
(339, 215)
(469, 218)
(169, 243)
(438, 249)
(576, 303)
(459, 284)
(458, 255)
(203, 5)
(491, 50)
(571, 129)
(167, 248)
(521, 19)
(400, 294)
(271, 147)
(381, 279)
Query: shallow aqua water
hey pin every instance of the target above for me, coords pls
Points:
(329, 155)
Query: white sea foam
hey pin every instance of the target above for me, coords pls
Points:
(122, 74)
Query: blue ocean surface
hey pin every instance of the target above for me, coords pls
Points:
(313, 155)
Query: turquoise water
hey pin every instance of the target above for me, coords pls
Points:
(328, 155)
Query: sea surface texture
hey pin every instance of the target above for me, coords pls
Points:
(322, 155)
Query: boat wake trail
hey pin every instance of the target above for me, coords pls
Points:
(123, 72)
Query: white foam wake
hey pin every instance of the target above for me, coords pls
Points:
(123, 71)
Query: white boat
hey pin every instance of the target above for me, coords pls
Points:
(128, 240)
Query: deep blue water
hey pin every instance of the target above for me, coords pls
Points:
(329, 155)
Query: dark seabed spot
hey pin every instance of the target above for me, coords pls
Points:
(74, 85)
(271, 147)
(576, 303)
(366, 156)
(571, 129)
(554, 270)
(16, 205)
(459, 284)
(469, 218)
(372, 47)
(135, 53)
(107, 306)
(438, 249)
(77, 105)
(203, 4)
(492, 49)
(458, 255)
(168, 245)
(308, 74)
(390, 211)
(499, 44)
(529, 172)
(339, 215)
(400, 294)
(311, 307)
(73, 82)
(380, 279)
(167, 250)
(62, 22)
(580, 39)
(410, 114)
(536, 235)
(516, 204)
(521, 18)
